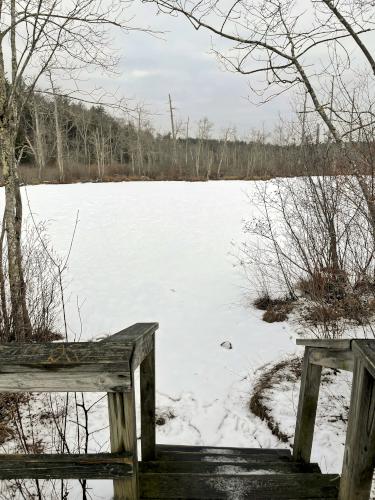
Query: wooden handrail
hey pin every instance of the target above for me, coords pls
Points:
(105, 366)
(122, 407)
(354, 355)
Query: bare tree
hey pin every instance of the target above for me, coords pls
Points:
(37, 142)
(173, 130)
(56, 37)
(58, 133)
(280, 40)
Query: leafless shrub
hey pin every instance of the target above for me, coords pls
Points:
(43, 296)
(324, 284)
(312, 243)
(275, 310)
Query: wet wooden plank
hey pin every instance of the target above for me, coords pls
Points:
(275, 467)
(267, 486)
(222, 450)
(92, 466)
(215, 457)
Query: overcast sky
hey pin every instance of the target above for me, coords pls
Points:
(180, 63)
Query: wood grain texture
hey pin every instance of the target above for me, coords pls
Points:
(217, 457)
(223, 450)
(140, 337)
(92, 466)
(276, 467)
(133, 333)
(326, 343)
(148, 399)
(64, 366)
(307, 406)
(359, 455)
(123, 436)
(365, 349)
(266, 486)
(339, 359)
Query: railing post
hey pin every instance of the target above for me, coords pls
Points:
(308, 402)
(123, 434)
(359, 456)
(147, 379)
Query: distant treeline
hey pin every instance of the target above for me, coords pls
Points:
(62, 141)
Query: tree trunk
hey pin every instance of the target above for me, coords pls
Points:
(21, 325)
(39, 145)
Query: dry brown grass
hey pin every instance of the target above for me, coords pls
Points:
(324, 284)
(353, 307)
(275, 310)
(267, 381)
(9, 407)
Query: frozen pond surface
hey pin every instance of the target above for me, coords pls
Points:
(163, 251)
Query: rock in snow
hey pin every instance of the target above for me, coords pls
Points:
(226, 345)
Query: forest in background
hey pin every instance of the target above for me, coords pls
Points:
(61, 140)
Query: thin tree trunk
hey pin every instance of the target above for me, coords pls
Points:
(59, 144)
(39, 146)
(21, 325)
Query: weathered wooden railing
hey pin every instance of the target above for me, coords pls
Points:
(106, 366)
(357, 356)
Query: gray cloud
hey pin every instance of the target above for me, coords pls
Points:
(180, 63)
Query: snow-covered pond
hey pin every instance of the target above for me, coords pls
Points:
(164, 251)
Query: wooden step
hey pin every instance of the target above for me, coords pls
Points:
(173, 467)
(225, 458)
(223, 450)
(222, 455)
(239, 487)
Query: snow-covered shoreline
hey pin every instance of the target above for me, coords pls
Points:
(166, 252)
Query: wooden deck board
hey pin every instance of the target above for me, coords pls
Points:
(191, 467)
(222, 450)
(91, 466)
(261, 487)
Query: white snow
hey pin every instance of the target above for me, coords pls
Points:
(165, 251)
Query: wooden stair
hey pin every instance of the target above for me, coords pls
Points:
(197, 472)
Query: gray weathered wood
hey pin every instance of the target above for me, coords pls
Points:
(359, 455)
(326, 343)
(64, 366)
(278, 467)
(308, 401)
(92, 466)
(264, 486)
(339, 359)
(123, 435)
(222, 450)
(140, 337)
(144, 346)
(217, 457)
(366, 350)
(133, 333)
(147, 382)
